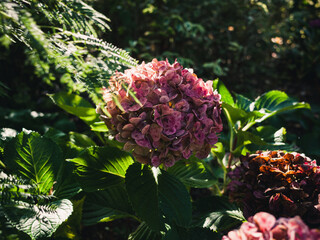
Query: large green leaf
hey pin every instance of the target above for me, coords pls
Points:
(101, 167)
(143, 232)
(216, 213)
(274, 138)
(175, 200)
(275, 102)
(99, 127)
(38, 221)
(193, 173)
(71, 228)
(193, 233)
(34, 157)
(66, 185)
(80, 140)
(244, 103)
(163, 193)
(143, 193)
(223, 91)
(76, 105)
(236, 114)
(107, 205)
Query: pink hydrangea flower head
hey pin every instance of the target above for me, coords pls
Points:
(264, 226)
(177, 114)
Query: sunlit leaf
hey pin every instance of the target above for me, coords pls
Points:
(101, 167)
(107, 205)
(99, 127)
(39, 221)
(223, 91)
(158, 190)
(144, 232)
(34, 157)
(193, 173)
(216, 213)
(76, 105)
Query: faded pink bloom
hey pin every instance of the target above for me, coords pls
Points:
(178, 114)
(264, 226)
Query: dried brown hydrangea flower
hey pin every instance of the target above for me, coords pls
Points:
(284, 184)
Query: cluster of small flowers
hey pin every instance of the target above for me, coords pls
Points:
(284, 184)
(178, 114)
(264, 226)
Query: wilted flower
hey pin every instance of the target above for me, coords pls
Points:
(284, 184)
(264, 226)
(178, 114)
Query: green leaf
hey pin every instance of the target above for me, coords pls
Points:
(34, 157)
(271, 134)
(101, 167)
(272, 100)
(275, 102)
(99, 127)
(216, 213)
(144, 232)
(76, 105)
(71, 229)
(38, 221)
(235, 114)
(175, 200)
(193, 173)
(193, 233)
(107, 205)
(143, 194)
(245, 138)
(274, 138)
(66, 185)
(243, 103)
(80, 140)
(218, 150)
(226, 96)
(158, 190)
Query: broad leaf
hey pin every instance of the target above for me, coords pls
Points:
(143, 193)
(38, 221)
(99, 127)
(66, 185)
(81, 140)
(34, 157)
(275, 102)
(236, 114)
(158, 190)
(244, 103)
(223, 91)
(216, 213)
(193, 233)
(107, 205)
(193, 173)
(101, 167)
(76, 105)
(245, 138)
(272, 100)
(71, 228)
(218, 150)
(144, 232)
(271, 134)
(274, 138)
(175, 200)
